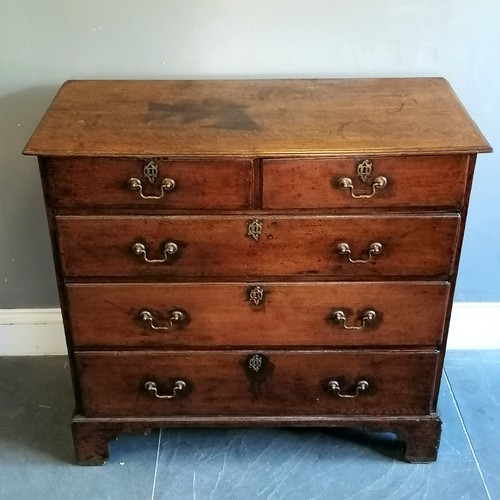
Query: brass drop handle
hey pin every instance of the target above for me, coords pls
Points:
(374, 250)
(178, 387)
(166, 185)
(168, 249)
(175, 318)
(361, 386)
(340, 317)
(378, 183)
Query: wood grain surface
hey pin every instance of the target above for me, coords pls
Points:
(430, 182)
(272, 118)
(419, 245)
(292, 383)
(290, 314)
(103, 183)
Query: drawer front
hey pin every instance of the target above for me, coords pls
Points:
(256, 383)
(266, 314)
(431, 181)
(105, 182)
(296, 246)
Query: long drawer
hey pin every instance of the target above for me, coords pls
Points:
(256, 383)
(135, 183)
(212, 315)
(398, 182)
(331, 246)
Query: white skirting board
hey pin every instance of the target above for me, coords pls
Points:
(39, 332)
(31, 332)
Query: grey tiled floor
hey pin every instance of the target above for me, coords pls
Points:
(36, 454)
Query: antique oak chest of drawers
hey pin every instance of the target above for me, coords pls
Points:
(256, 253)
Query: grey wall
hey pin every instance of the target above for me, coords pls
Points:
(44, 43)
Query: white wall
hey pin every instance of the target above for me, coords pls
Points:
(43, 43)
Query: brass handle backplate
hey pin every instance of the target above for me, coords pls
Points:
(378, 183)
(368, 317)
(168, 249)
(178, 388)
(374, 249)
(361, 386)
(174, 319)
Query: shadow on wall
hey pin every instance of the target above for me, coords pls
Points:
(26, 270)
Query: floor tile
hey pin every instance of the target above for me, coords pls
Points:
(474, 377)
(36, 449)
(301, 464)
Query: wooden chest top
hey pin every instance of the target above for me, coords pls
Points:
(271, 118)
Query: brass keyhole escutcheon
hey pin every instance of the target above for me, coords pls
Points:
(255, 362)
(364, 170)
(256, 295)
(151, 171)
(254, 229)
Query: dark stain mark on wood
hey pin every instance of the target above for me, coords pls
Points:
(396, 102)
(257, 373)
(213, 113)
(342, 129)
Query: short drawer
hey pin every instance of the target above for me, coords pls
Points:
(256, 383)
(201, 246)
(158, 184)
(212, 315)
(400, 182)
